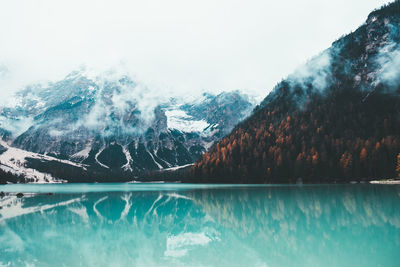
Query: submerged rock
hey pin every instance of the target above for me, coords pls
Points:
(20, 195)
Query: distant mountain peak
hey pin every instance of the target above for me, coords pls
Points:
(117, 126)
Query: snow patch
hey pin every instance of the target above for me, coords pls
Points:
(178, 167)
(127, 166)
(98, 162)
(83, 154)
(14, 160)
(158, 164)
(180, 120)
(166, 162)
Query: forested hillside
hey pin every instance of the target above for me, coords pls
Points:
(337, 118)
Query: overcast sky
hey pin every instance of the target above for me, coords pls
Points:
(180, 44)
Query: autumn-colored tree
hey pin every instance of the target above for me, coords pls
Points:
(346, 162)
(315, 158)
(363, 155)
(398, 165)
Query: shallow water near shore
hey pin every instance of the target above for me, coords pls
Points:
(200, 225)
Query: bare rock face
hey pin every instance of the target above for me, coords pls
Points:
(2, 149)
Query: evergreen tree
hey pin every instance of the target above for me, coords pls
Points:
(398, 166)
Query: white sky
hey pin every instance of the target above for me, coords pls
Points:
(185, 45)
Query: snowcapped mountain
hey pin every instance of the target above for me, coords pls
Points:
(110, 124)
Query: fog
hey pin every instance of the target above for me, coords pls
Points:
(180, 45)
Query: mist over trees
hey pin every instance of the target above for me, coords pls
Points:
(338, 119)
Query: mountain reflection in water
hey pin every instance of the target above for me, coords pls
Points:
(340, 225)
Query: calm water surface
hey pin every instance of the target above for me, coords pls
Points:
(200, 225)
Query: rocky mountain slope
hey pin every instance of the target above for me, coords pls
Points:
(107, 126)
(337, 118)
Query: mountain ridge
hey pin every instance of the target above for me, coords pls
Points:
(335, 119)
(115, 126)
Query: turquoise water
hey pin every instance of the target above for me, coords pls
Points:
(200, 225)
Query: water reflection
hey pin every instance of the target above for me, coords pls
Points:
(343, 225)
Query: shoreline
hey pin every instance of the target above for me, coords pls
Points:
(385, 182)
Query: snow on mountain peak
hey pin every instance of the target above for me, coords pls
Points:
(179, 120)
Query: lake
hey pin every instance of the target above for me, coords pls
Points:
(200, 225)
